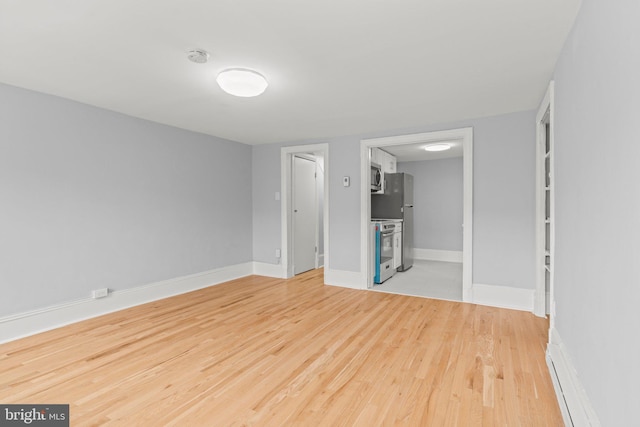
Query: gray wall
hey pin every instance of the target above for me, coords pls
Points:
(266, 209)
(344, 205)
(504, 198)
(344, 202)
(597, 270)
(504, 201)
(438, 203)
(93, 199)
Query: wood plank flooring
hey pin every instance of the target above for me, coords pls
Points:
(269, 352)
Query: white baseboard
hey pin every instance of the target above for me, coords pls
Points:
(503, 296)
(269, 270)
(40, 320)
(437, 255)
(573, 400)
(344, 279)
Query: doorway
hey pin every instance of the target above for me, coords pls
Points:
(437, 229)
(312, 237)
(465, 135)
(305, 214)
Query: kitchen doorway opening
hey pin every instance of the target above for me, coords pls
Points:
(304, 188)
(465, 136)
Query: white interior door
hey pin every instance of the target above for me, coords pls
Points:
(304, 214)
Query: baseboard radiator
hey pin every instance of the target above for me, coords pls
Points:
(573, 400)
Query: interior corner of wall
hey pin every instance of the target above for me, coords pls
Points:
(573, 400)
(503, 297)
(269, 270)
(345, 279)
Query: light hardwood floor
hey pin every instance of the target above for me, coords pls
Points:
(261, 351)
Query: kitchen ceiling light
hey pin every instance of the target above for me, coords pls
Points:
(242, 82)
(437, 147)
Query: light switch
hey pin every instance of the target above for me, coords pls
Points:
(346, 181)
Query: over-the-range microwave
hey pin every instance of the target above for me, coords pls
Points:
(376, 177)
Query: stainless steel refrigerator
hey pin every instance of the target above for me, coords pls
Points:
(397, 203)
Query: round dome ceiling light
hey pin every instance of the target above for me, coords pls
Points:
(242, 82)
(198, 56)
(437, 147)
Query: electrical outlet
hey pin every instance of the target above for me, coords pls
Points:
(277, 253)
(100, 293)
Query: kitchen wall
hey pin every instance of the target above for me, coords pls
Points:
(597, 205)
(504, 198)
(438, 203)
(94, 199)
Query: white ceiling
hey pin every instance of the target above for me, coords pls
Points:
(335, 67)
(416, 152)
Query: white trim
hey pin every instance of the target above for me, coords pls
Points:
(269, 270)
(503, 297)
(40, 320)
(467, 232)
(540, 301)
(286, 154)
(437, 255)
(344, 279)
(464, 134)
(573, 400)
(319, 160)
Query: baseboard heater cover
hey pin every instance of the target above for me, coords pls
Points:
(574, 403)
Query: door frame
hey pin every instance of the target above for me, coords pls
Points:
(461, 134)
(286, 205)
(540, 305)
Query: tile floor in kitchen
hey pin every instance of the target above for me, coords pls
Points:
(431, 279)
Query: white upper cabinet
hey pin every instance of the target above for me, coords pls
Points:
(386, 161)
(389, 164)
(375, 156)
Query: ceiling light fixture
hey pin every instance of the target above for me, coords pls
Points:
(437, 147)
(242, 82)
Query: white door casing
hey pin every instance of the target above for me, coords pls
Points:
(462, 134)
(321, 151)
